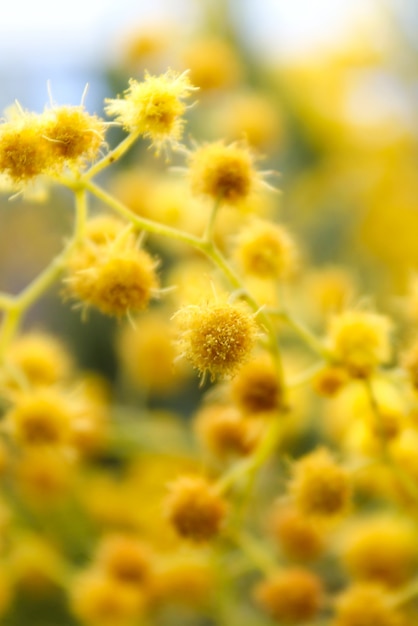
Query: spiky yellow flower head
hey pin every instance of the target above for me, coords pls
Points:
(103, 229)
(100, 600)
(187, 581)
(330, 380)
(41, 417)
(124, 558)
(360, 341)
(367, 605)
(292, 596)
(213, 63)
(147, 354)
(194, 508)
(256, 388)
(116, 279)
(35, 564)
(266, 250)
(330, 289)
(364, 558)
(320, 487)
(153, 107)
(74, 135)
(216, 337)
(124, 282)
(37, 359)
(253, 116)
(224, 432)
(44, 474)
(25, 153)
(299, 537)
(222, 172)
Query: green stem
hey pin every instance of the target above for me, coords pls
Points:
(45, 279)
(305, 334)
(249, 467)
(19, 304)
(112, 156)
(142, 222)
(208, 235)
(81, 213)
(255, 551)
(8, 328)
(6, 301)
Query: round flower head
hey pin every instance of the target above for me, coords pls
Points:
(367, 605)
(213, 63)
(256, 388)
(224, 431)
(42, 417)
(293, 596)
(359, 341)
(153, 107)
(266, 250)
(299, 537)
(74, 134)
(320, 488)
(125, 559)
(117, 279)
(38, 358)
(223, 173)
(216, 337)
(100, 600)
(364, 558)
(25, 153)
(194, 508)
(188, 581)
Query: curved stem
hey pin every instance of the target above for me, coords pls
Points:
(6, 301)
(209, 231)
(81, 213)
(248, 467)
(142, 222)
(112, 156)
(9, 326)
(305, 334)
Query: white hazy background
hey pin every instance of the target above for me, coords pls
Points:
(66, 42)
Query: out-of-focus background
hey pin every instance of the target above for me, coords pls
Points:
(327, 91)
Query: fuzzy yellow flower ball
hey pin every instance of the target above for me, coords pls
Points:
(24, 151)
(153, 107)
(266, 250)
(222, 172)
(217, 337)
(320, 487)
(293, 596)
(74, 134)
(360, 341)
(194, 508)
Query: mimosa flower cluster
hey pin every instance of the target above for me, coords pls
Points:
(244, 461)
